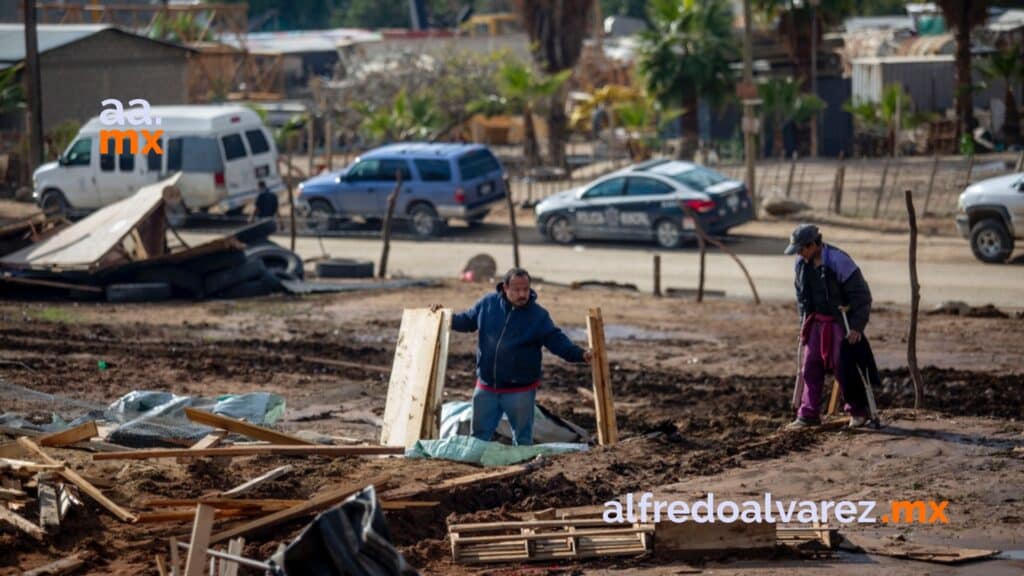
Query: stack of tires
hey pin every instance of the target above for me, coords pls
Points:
(255, 271)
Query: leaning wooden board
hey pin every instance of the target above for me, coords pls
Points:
(417, 377)
(607, 428)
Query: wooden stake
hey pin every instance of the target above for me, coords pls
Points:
(792, 170)
(512, 222)
(931, 183)
(700, 233)
(201, 529)
(175, 559)
(61, 566)
(160, 567)
(881, 187)
(837, 185)
(970, 170)
(833, 400)
(382, 270)
(915, 303)
(657, 274)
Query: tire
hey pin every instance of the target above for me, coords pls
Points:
(276, 258)
(141, 292)
(204, 265)
(990, 241)
(560, 230)
(668, 233)
(182, 279)
(224, 279)
(344, 268)
(53, 202)
(321, 215)
(424, 221)
(267, 283)
(257, 231)
(477, 220)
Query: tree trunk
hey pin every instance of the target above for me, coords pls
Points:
(964, 105)
(689, 130)
(531, 151)
(1011, 125)
(777, 136)
(558, 130)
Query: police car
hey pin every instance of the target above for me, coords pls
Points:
(644, 202)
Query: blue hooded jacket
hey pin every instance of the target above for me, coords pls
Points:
(508, 353)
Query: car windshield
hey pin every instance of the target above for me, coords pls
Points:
(697, 178)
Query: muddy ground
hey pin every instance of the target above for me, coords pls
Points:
(697, 388)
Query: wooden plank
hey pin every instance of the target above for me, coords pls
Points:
(160, 567)
(200, 541)
(233, 451)
(210, 440)
(244, 428)
(235, 548)
(74, 478)
(11, 450)
(923, 553)
(186, 515)
(410, 392)
(259, 480)
(12, 494)
(21, 524)
(62, 566)
(607, 428)
(26, 465)
(70, 436)
(175, 559)
(692, 538)
(49, 508)
(315, 504)
(432, 411)
(458, 482)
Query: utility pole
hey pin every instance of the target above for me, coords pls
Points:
(814, 74)
(34, 90)
(748, 93)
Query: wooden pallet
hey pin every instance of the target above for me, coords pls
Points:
(546, 540)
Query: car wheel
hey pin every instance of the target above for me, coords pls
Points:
(990, 241)
(668, 234)
(424, 222)
(53, 202)
(560, 230)
(321, 215)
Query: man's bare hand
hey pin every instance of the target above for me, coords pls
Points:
(853, 337)
(588, 356)
(436, 307)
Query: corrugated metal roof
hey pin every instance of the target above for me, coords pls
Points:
(1007, 21)
(50, 36)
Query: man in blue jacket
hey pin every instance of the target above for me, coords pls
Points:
(828, 285)
(511, 328)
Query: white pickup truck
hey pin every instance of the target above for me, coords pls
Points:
(991, 216)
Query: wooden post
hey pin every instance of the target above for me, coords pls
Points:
(33, 93)
(382, 271)
(931, 184)
(512, 222)
(970, 169)
(657, 274)
(915, 303)
(703, 257)
(702, 236)
(290, 143)
(201, 530)
(607, 428)
(837, 185)
(881, 187)
(895, 186)
(792, 170)
(329, 139)
(1020, 163)
(310, 142)
(175, 559)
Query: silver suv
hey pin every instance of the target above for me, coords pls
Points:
(992, 216)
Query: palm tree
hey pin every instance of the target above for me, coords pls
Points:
(556, 29)
(1006, 66)
(963, 16)
(405, 118)
(686, 55)
(523, 91)
(783, 103)
(12, 95)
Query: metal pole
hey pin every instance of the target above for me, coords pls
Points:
(34, 88)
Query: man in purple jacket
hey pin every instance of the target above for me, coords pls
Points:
(827, 282)
(511, 329)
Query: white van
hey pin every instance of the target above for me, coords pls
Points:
(223, 152)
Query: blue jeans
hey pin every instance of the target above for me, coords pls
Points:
(489, 406)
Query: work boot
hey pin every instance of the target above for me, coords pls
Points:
(800, 424)
(857, 422)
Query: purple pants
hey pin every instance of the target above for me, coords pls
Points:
(814, 369)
